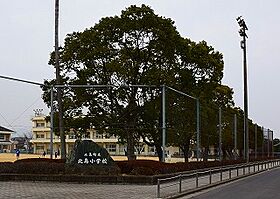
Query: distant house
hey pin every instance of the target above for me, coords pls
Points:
(5, 139)
(22, 143)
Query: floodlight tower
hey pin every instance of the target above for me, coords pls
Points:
(242, 32)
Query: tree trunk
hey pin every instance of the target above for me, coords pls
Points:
(224, 153)
(159, 152)
(185, 148)
(205, 154)
(130, 125)
(130, 146)
(186, 155)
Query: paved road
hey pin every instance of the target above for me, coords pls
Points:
(53, 190)
(265, 185)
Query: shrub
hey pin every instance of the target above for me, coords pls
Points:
(127, 166)
(151, 167)
(135, 167)
(143, 171)
(38, 168)
(6, 167)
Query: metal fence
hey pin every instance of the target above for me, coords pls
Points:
(187, 183)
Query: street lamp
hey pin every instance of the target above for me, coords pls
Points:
(242, 32)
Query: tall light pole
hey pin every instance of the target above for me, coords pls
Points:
(58, 82)
(220, 134)
(163, 123)
(242, 32)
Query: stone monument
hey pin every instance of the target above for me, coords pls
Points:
(87, 152)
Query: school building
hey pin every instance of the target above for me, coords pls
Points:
(41, 140)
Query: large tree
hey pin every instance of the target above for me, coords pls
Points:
(137, 47)
(199, 75)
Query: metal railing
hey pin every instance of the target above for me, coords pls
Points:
(172, 186)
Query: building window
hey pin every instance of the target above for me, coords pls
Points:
(86, 136)
(72, 135)
(122, 148)
(40, 148)
(1, 136)
(7, 137)
(110, 137)
(151, 149)
(40, 135)
(70, 147)
(111, 148)
(98, 135)
(40, 124)
(139, 149)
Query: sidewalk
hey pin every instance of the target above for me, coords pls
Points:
(56, 190)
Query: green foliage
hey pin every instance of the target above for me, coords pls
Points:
(32, 167)
(139, 47)
(276, 144)
(144, 167)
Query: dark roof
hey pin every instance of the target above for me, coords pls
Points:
(5, 129)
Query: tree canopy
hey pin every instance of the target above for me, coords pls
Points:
(139, 47)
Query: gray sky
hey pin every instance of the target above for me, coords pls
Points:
(27, 38)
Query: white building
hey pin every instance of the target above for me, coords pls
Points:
(41, 140)
(5, 139)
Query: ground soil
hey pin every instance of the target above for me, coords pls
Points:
(11, 157)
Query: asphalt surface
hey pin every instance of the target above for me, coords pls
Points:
(265, 185)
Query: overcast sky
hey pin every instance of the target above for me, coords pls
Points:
(27, 38)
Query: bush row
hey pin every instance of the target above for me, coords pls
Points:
(135, 167)
(48, 166)
(150, 167)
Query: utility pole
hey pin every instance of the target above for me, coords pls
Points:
(256, 140)
(272, 145)
(268, 144)
(163, 123)
(235, 137)
(262, 142)
(197, 130)
(58, 82)
(51, 130)
(242, 32)
(220, 134)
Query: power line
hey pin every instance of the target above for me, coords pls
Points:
(21, 80)
(6, 120)
(26, 109)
